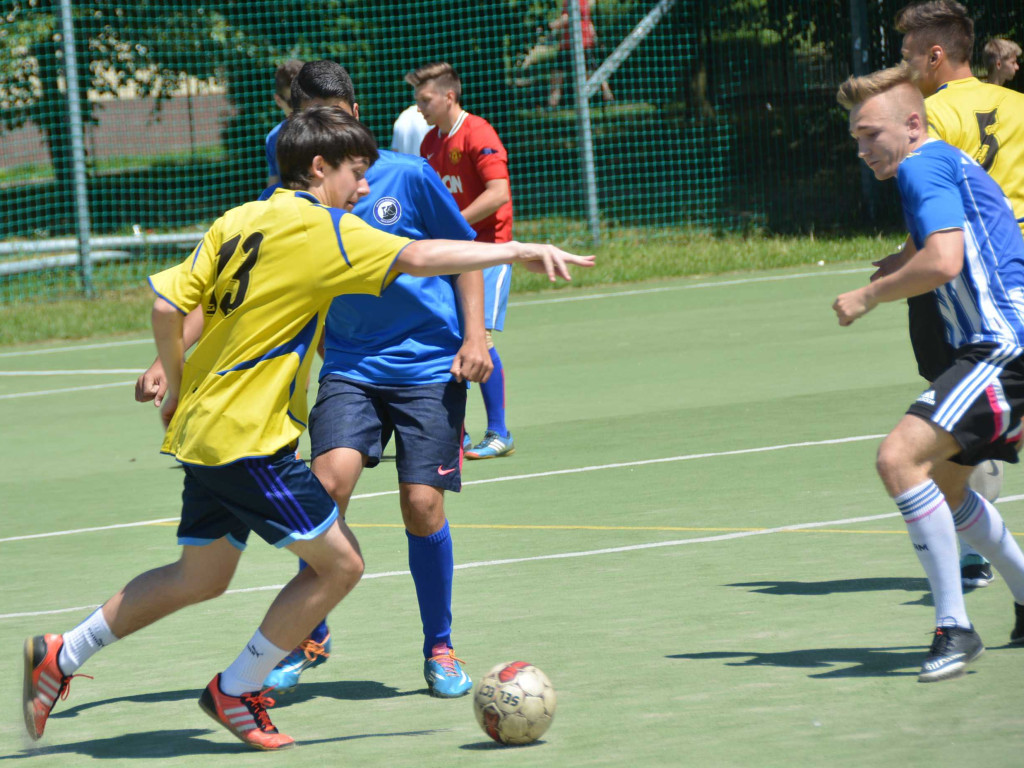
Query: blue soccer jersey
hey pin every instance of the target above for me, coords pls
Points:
(411, 332)
(271, 149)
(943, 188)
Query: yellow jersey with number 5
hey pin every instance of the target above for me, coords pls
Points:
(265, 275)
(987, 122)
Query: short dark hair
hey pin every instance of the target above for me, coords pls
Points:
(283, 76)
(327, 131)
(940, 22)
(321, 79)
(447, 79)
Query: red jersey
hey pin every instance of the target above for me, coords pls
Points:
(586, 27)
(466, 159)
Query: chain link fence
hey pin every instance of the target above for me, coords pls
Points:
(719, 115)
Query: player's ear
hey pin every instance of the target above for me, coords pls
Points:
(317, 166)
(355, 111)
(936, 55)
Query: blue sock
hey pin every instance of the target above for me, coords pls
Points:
(432, 563)
(493, 391)
(319, 634)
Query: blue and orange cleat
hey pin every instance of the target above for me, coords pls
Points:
(285, 676)
(492, 446)
(444, 675)
(44, 682)
(244, 716)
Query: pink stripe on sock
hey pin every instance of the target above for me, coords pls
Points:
(922, 515)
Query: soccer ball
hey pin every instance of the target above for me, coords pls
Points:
(514, 703)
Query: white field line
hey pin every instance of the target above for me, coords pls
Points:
(688, 287)
(75, 348)
(16, 395)
(74, 372)
(531, 476)
(525, 303)
(534, 559)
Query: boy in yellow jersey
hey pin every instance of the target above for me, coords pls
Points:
(265, 275)
(986, 122)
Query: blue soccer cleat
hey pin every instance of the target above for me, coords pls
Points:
(444, 675)
(467, 442)
(492, 446)
(285, 676)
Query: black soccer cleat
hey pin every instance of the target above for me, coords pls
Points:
(953, 648)
(1017, 636)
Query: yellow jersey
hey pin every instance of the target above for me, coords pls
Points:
(265, 274)
(987, 122)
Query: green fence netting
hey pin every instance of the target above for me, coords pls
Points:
(722, 118)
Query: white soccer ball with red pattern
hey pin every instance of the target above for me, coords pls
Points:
(514, 703)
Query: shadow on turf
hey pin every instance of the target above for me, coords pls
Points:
(344, 690)
(837, 586)
(176, 743)
(902, 661)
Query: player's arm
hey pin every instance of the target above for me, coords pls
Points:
(496, 193)
(472, 361)
(152, 384)
(939, 261)
(168, 324)
(894, 261)
(426, 258)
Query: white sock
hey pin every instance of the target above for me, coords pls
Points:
(980, 524)
(987, 481)
(930, 525)
(83, 641)
(252, 666)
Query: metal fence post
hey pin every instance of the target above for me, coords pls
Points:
(861, 44)
(583, 129)
(77, 147)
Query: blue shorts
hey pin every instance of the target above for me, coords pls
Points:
(496, 284)
(426, 420)
(276, 496)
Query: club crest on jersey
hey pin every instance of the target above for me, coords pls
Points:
(454, 156)
(387, 210)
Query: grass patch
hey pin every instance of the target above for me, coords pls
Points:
(625, 256)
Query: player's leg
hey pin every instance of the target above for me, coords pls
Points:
(905, 461)
(345, 435)
(975, 569)
(497, 440)
(427, 423)
(281, 500)
(212, 541)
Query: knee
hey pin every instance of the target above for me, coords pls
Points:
(423, 511)
(891, 458)
(349, 571)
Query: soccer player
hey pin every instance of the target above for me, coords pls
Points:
(395, 365)
(283, 76)
(408, 131)
(970, 251)
(987, 122)
(1001, 60)
(264, 275)
(471, 160)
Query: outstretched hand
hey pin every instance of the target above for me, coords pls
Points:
(553, 261)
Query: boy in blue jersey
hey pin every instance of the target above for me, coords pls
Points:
(283, 76)
(396, 365)
(263, 276)
(970, 251)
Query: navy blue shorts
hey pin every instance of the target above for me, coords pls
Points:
(276, 496)
(426, 420)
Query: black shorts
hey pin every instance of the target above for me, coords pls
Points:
(933, 353)
(979, 400)
(276, 496)
(426, 420)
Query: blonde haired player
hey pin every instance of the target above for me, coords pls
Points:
(969, 250)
